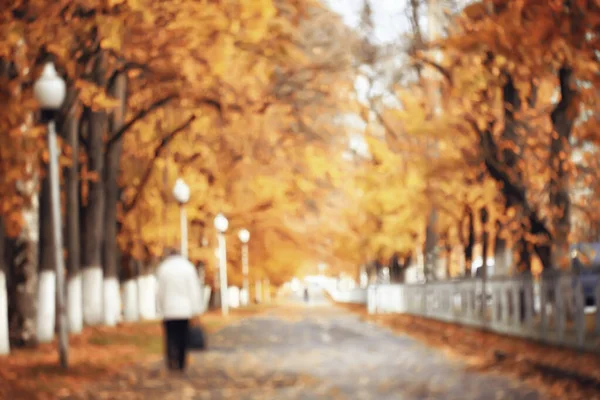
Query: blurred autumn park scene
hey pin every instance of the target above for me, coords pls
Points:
(382, 199)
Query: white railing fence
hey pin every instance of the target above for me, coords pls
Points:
(355, 296)
(559, 309)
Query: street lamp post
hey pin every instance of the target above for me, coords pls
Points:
(181, 191)
(50, 92)
(221, 224)
(244, 236)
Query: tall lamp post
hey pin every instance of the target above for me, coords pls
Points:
(221, 224)
(244, 236)
(50, 92)
(181, 191)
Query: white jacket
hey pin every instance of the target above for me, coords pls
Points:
(178, 289)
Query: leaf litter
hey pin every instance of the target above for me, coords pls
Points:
(560, 373)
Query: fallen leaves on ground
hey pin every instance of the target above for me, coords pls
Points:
(560, 372)
(97, 353)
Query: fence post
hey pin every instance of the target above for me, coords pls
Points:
(495, 304)
(597, 303)
(423, 299)
(544, 284)
(560, 309)
(579, 313)
(449, 306)
(528, 291)
(455, 293)
(468, 302)
(516, 288)
(504, 302)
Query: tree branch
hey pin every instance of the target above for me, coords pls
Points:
(140, 115)
(127, 66)
(157, 153)
(83, 127)
(512, 189)
(422, 60)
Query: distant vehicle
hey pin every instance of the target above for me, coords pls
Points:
(585, 263)
(585, 267)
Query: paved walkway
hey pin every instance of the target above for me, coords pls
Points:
(315, 351)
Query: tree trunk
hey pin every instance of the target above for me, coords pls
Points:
(146, 291)
(431, 246)
(131, 310)
(445, 239)
(562, 123)
(23, 256)
(501, 264)
(394, 268)
(485, 236)
(93, 217)
(484, 219)
(470, 245)
(110, 249)
(528, 218)
(4, 338)
(448, 248)
(46, 310)
(74, 289)
(524, 252)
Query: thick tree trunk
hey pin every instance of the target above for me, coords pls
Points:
(562, 122)
(4, 338)
(93, 217)
(510, 157)
(46, 310)
(484, 219)
(146, 291)
(501, 259)
(448, 248)
(470, 245)
(394, 268)
(131, 310)
(74, 289)
(112, 306)
(23, 256)
(430, 249)
(445, 239)
(485, 236)
(523, 251)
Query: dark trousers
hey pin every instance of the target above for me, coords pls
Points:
(176, 342)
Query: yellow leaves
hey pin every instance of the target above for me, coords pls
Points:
(256, 16)
(114, 3)
(111, 32)
(94, 97)
(220, 55)
(482, 122)
(13, 221)
(259, 9)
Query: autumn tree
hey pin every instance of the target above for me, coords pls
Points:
(134, 107)
(524, 134)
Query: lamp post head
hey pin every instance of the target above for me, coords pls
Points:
(50, 89)
(244, 235)
(221, 223)
(181, 191)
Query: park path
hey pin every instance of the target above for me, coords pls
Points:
(314, 351)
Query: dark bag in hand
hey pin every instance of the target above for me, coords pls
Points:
(196, 339)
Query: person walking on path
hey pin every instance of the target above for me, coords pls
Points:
(179, 301)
